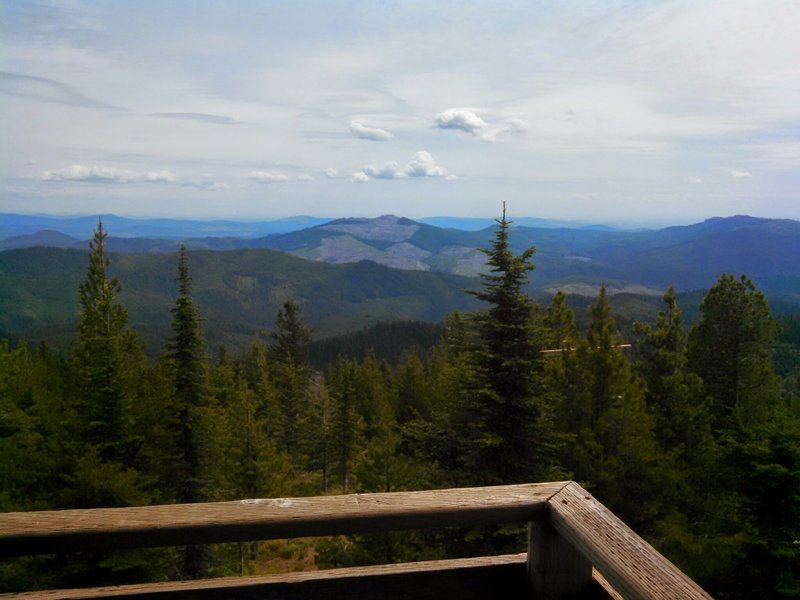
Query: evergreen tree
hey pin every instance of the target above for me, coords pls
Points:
(681, 410)
(262, 380)
(613, 451)
(99, 462)
(674, 394)
(762, 462)
(186, 352)
(444, 440)
(508, 361)
(731, 349)
(317, 426)
(755, 475)
(257, 469)
(345, 427)
(289, 351)
(412, 395)
(560, 331)
(291, 340)
(35, 447)
(104, 339)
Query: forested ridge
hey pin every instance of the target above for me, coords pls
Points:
(690, 435)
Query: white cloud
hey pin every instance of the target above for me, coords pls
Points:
(735, 173)
(305, 177)
(468, 121)
(389, 170)
(696, 180)
(462, 119)
(422, 165)
(370, 133)
(517, 125)
(331, 173)
(95, 174)
(268, 177)
(108, 175)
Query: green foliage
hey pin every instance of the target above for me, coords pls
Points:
(387, 341)
(318, 423)
(690, 438)
(187, 410)
(675, 395)
(291, 373)
(602, 413)
(730, 348)
(186, 355)
(682, 428)
(506, 355)
(104, 340)
(346, 426)
(35, 449)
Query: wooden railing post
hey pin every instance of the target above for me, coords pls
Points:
(575, 544)
(630, 565)
(555, 568)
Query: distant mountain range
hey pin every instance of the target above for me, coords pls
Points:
(574, 260)
(81, 227)
(351, 273)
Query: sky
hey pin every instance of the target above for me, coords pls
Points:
(620, 112)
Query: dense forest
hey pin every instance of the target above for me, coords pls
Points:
(690, 434)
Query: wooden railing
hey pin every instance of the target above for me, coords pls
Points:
(576, 545)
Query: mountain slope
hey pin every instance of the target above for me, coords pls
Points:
(239, 292)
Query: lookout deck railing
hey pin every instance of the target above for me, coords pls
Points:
(577, 547)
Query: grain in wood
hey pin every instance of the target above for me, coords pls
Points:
(270, 518)
(632, 567)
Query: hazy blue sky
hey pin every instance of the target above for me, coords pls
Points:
(613, 111)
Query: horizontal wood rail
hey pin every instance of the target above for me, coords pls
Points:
(575, 542)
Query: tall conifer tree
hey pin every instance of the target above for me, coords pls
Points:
(731, 349)
(613, 449)
(674, 394)
(103, 338)
(507, 357)
(344, 426)
(99, 461)
(187, 354)
(292, 373)
(757, 468)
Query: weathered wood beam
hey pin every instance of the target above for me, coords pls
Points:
(488, 576)
(632, 566)
(464, 578)
(275, 518)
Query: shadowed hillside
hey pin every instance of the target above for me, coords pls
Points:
(239, 292)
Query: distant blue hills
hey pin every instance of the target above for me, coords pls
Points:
(575, 259)
(81, 227)
(355, 272)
